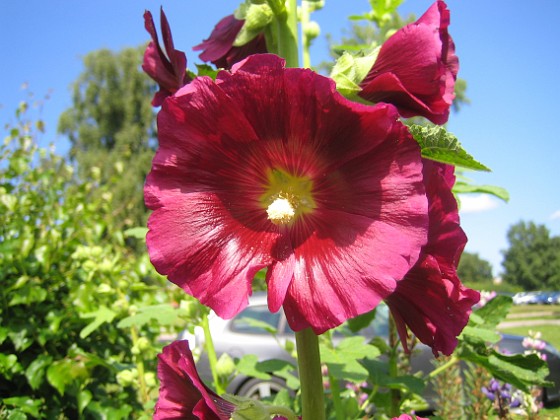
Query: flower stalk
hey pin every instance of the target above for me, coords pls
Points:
(286, 25)
(211, 351)
(311, 379)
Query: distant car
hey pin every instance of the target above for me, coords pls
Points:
(246, 334)
(526, 298)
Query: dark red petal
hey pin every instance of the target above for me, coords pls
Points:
(416, 68)
(181, 388)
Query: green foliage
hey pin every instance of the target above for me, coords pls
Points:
(532, 260)
(70, 291)
(439, 144)
(111, 126)
(472, 268)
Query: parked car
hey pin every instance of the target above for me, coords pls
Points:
(246, 334)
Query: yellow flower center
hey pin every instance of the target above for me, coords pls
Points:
(287, 197)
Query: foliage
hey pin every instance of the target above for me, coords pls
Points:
(532, 260)
(111, 126)
(472, 268)
(70, 345)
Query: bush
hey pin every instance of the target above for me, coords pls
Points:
(81, 313)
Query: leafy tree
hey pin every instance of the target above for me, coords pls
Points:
(533, 257)
(473, 269)
(111, 126)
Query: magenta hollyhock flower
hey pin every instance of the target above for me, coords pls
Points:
(182, 394)
(431, 299)
(416, 68)
(270, 167)
(168, 68)
(219, 49)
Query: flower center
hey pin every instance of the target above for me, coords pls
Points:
(287, 197)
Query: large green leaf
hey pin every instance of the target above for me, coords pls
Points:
(440, 145)
(343, 361)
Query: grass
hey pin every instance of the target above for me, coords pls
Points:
(550, 333)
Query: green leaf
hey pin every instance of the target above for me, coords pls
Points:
(206, 70)
(464, 188)
(349, 71)
(520, 370)
(84, 398)
(342, 361)
(495, 310)
(35, 372)
(163, 314)
(247, 365)
(26, 405)
(440, 145)
(28, 295)
(102, 315)
(136, 232)
(63, 372)
(361, 321)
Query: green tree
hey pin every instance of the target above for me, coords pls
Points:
(473, 269)
(532, 260)
(111, 126)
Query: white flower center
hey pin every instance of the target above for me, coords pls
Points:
(281, 211)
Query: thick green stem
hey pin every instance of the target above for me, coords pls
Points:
(212, 359)
(286, 24)
(311, 379)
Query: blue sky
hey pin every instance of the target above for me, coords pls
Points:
(508, 51)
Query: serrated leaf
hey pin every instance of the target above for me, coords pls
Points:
(35, 372)
(206, 70)
(102, 315)
(495, 310)
(163, 314)
(438, 144)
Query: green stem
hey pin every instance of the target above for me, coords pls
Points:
(335, 392)
(393, 367)
(452, 360)
(311, 379)
(286, 25)
(211, 351)
(139, 368)
(305, 41)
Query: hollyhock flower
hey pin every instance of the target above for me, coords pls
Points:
(219, 49)
(182, 393)
(431, 299)
(416, 68)
(167, 68)
(270, 167)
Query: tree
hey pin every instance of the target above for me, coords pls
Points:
(111, 126)
(533, 257)
(473, 269)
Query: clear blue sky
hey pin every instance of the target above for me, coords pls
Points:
(508, 51)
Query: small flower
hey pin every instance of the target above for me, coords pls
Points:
(270, 167)
(416, 68)
(219, 49)
(182, 393)
(168, 68)
(431, 299)
(409, 417)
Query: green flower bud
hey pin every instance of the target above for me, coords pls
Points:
(225, 366)
(126, 377)
(312, 30)
(143, 343)
(150, 379)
